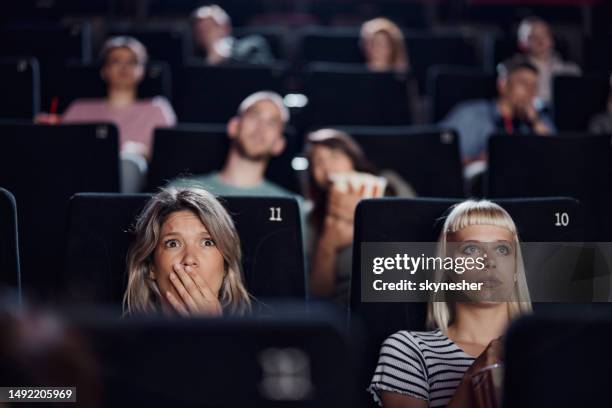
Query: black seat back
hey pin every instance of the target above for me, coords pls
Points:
(199, 149)
(100, 230)
(48, 41)
(409, 151)
(292, 360)
(448, 86)
(541, 352)
(43, 166)
(592, 92)
(21, 80)
(348, 94)
(9, 246)
(212, 94)
(570, 166)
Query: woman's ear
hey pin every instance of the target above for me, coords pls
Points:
(151, 274)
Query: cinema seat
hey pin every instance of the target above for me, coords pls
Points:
(324, 44)
(558, 362)
(570, 166)
(427, 50)
(420, 220)
(598, 54)
(348, 94)
(211, 94)
(9, 244)
(43, 166)
(341, 45)
(426, 157)
(20, 79)
(100, 230)
(592, 92)
(296, 360)
(447, 86)
(199, 149)
(48, 41)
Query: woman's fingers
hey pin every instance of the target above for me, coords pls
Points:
(184, 286)
(195, 291)
(176, 304)
(201, 284)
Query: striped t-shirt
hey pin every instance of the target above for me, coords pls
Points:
(425, 365)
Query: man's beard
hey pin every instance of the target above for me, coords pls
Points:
(242, 151)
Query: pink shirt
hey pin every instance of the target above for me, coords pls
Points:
(135, 123)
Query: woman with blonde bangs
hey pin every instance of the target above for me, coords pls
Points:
(186, 258)
(435, 368)
(383, 46)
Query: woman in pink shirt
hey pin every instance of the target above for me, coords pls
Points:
(124, 66)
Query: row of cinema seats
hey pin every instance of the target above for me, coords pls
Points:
(99, 226)
(210, 94)
(313, 350)
(576, 166)
(174, 44)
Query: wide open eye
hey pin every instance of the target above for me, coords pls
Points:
(172, 243)
(208, 242)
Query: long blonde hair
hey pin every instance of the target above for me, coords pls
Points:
(440, 312)
(370, 28)
(142, 294)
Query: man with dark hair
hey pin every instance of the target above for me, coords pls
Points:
(513, 112)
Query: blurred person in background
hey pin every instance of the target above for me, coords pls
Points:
(536, 42)
(339, 176)
(513, 112)
(124, 61)
(123, 69)
(383, 46)
(602, 123)
(212, 35)
(38, 350)
(123, 66)
(256, 136)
